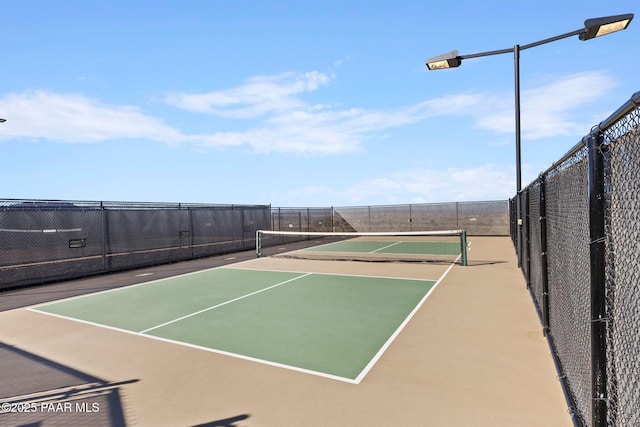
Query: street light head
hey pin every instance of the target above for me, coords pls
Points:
(446, 60)
(602, 26)
(2, 120)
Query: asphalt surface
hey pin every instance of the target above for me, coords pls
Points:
(37, 294)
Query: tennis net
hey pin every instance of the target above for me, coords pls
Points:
(417, 246)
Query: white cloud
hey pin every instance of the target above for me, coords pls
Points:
(272, 115)
(547, 110)
(286, 123)
(259, 96)
(417, 185)
(484, 182)
(74, 118)
(298, 140)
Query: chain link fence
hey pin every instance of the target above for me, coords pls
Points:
(302, 219)
(567, 207)
(622, 172)
(43, 241)
(488, 218)
(477, 218)
(580, 228)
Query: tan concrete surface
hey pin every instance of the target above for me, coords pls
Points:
(473, 355)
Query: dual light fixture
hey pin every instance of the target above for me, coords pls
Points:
(593, 28)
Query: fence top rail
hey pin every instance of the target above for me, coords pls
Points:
(407, 205)
(626, 108)
(576, 148)
(51, 204)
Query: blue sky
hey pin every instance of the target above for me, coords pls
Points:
(293, 103)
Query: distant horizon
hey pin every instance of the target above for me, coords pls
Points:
(159, 203)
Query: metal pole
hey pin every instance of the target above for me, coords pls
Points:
(598, 297)
(410, 217)
(463, 243)
(191, 232)
(527, 238)
(333, 218)
(543, 255)
(105, 236)
(516, 61)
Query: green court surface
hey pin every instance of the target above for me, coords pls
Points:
(386, 247)
(326, 324)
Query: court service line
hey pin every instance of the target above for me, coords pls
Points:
(223, 304)
(232, 266)
(126, 287)
(392, 338)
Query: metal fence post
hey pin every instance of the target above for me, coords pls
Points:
(544, 262)
(518, 229)
(335, 214)
(103, 231)
(410, 217)
(598, 297)
(527, 237)
(191, 233)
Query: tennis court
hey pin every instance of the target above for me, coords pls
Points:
(448, 246)
(329, 324)
(293, 341)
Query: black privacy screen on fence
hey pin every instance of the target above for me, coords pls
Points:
(477, 218)
(482, 218)
(43, 241)
(580, 255)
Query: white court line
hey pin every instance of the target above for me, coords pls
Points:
(331, 274)
(385, 247)
(124, 288)
(355, 381)
(198, 347)
(386, 345)
(222, 304)
(311, 248)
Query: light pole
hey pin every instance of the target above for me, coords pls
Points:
(592, 28)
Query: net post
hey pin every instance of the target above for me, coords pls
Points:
(258, 245)
(463, 243)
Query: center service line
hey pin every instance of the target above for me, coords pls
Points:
(385, 247)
